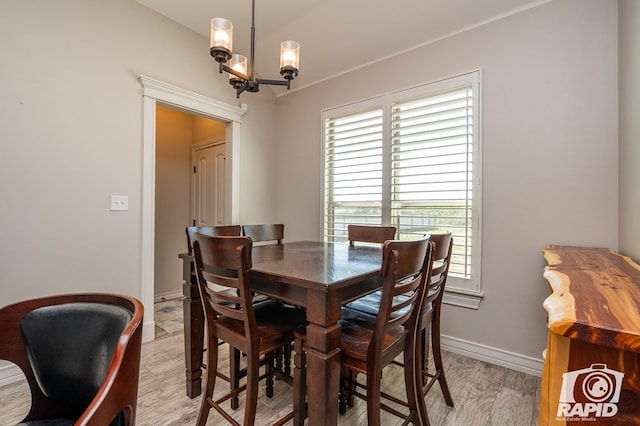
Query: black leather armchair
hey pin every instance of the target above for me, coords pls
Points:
(80, 354)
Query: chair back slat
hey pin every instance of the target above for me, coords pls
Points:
(370, 234)
(228, 230)
(222, 268)
(440, 269)
(265, 232)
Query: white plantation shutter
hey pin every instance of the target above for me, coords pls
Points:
(410, 159)
(431, 167)
(353, 178)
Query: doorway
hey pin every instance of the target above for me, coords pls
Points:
(158, 92)
(185, 192)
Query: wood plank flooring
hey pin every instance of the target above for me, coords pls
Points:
(484, 394)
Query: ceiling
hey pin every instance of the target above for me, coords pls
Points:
(336, 36)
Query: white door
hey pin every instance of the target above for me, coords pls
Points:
(208, 165)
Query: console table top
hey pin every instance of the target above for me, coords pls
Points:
(595, 296)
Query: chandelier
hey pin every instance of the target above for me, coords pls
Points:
(242, 77)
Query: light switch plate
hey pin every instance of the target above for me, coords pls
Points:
(119, 202)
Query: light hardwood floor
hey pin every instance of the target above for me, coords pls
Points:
(484, 394)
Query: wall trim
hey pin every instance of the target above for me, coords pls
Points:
(501, 357)
(167, 296)
(154, 91)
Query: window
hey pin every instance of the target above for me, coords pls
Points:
(410, 159)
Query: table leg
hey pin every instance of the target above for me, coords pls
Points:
(323, 358)
(193, 331)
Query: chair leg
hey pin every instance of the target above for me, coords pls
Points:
(413, 380)
(425, 355)
(268, 366)
(251, 402)
(373, 396)
(348, 385)
(437, 358)
(299, 384)
(234, 374)
(212, 363)
(287, 359)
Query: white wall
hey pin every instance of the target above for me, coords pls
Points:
(549, 153)
(71, 116)
(629, 90)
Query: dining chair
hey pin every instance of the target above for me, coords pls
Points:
(369, 343)
(235, 372)
(264, 232)
(431, 314)
(370, 233)
(438, 280)
(256, 329)
(80, 354)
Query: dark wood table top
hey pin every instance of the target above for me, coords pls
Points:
(315, 265)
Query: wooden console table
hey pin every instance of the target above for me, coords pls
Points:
(592, 361)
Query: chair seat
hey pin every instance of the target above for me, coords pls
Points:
(357, 331)
(370, 304)
(273, 321)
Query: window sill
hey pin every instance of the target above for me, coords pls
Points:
(464, 299)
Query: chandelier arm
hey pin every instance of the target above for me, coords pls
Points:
(234, 72)
(274, 82)
(253, 38)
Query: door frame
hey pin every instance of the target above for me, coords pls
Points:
(156, 91)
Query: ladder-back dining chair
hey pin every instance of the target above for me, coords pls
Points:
(235, 372)
(431, 318)
(265, 234)
(370, 343)
(432, 313)
(256, 329)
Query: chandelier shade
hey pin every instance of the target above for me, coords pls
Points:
(241, 70)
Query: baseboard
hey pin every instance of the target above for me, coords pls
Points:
(148, 331)
(512, 360)
(167, 296)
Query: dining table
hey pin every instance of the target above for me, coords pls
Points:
(319, 277)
